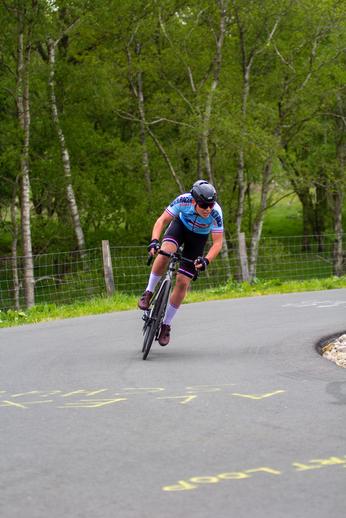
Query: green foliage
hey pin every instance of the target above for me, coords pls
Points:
(290, 116)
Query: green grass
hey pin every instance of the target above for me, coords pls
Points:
(284, 219)
(124, 302)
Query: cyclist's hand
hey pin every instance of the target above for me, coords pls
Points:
(202, 263)
(154, 247)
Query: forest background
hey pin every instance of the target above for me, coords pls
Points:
(109, 110)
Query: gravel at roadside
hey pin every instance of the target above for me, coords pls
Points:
(336, 351)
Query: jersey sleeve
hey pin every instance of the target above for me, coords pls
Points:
(217, 224)
(178, 204)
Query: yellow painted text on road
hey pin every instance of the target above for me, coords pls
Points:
(259, 396)
(24, 399)
(186, 398)
(91, 403)
(195, 482)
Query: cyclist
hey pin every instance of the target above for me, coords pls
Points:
(190, 218)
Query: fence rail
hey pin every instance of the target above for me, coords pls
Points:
(65, 277)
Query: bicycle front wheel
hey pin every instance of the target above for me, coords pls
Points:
(156, 319)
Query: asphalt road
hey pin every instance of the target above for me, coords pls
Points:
(237, 417)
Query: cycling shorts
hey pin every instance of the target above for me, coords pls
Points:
(194, 244)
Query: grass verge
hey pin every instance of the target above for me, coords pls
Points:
(124, 302)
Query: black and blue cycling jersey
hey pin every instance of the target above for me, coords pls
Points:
(183, 207)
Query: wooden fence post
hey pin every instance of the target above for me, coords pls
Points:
(107, 267)
(243, 257)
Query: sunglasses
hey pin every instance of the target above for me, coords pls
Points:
(206, 205)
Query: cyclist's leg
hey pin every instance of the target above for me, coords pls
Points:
(159, 267)
(181, 284)
(160, 264)
(171, 241)
(194, 245)
(180, 289)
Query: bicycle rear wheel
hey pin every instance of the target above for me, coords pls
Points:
(156, 319)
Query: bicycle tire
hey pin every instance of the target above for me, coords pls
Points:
(156, 318)
(151, 327)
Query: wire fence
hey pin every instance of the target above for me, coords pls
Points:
(65, 277)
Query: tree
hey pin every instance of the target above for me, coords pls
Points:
(71, 199)
(337, 181)
(300, 68)
(24, 18)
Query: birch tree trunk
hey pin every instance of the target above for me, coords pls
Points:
(63, 148)
(25, 19)
(28, 267)
(23, 111)
(249, 53)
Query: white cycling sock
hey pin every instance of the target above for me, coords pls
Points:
(153, 280)
(171, 311)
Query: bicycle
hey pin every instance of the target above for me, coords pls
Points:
(154, 315)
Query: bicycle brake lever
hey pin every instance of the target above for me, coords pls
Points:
(195, 277)
(150, 258)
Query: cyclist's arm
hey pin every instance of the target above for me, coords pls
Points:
(160, 224)
(216, 247)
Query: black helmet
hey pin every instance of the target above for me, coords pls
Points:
(203, 192)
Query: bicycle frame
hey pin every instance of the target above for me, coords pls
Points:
(155, 314)
(168, 278)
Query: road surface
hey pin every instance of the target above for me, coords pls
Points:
(237, 417)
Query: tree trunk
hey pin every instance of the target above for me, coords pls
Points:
(305, 199)
(140, 97)
(258, 221)
(321, 210)
(241, 191)
(23, 109)
(338, 255)
(199, 160)
(14, 250)
(21, 97)
(338, 252)
(246, 65)
(337, 193)
(63, 149)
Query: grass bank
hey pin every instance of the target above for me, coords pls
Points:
(124, 302)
